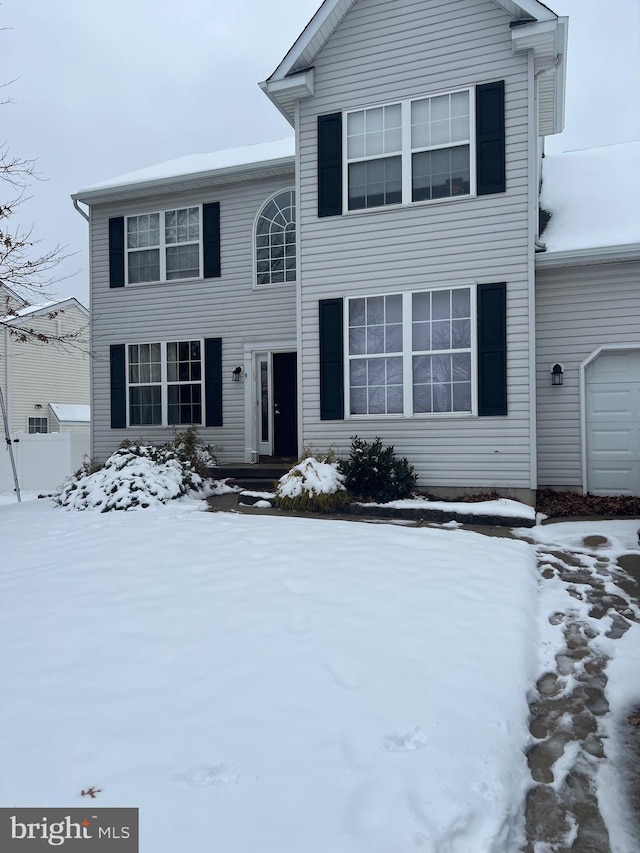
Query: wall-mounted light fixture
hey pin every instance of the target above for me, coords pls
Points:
(557, 374)
(237, 373)
(37, 405)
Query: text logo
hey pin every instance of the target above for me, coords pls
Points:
(86, 830)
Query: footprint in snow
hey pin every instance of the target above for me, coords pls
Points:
(209, 774)
(404, 743)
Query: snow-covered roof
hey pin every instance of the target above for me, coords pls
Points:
(209, 166)
(71, 412)
(593, 197)
(43, 308)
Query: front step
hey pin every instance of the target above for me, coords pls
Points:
(258, 477)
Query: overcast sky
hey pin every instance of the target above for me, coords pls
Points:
(102, 89)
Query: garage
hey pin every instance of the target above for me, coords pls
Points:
(612, 384)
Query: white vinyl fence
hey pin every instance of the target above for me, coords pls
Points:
(42, 461)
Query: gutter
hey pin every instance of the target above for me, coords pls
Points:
(588, 257)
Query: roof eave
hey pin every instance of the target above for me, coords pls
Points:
(285, 92)
(195, 180)
(548, 42)
(54, 308)
(588, 257)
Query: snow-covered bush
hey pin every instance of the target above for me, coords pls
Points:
(312, 486)
(375, 472)
(134, 477)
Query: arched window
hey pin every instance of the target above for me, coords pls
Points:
(276, 240)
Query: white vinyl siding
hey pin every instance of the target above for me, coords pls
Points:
(229, 307)
(578, 310)
(376, 58)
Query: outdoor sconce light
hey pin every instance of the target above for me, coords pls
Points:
(557, 374)
(37, 405)
(237, 373)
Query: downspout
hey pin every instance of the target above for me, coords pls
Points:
(80, 210)
(540, 246)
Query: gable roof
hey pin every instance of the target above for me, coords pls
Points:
(592, 196)
(541, 30)
(44, 309)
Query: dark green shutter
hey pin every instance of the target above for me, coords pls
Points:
(492, 349)
(490, 138)
(116, 252)
(213, 381)
(331, 360)
(118, 387)
(330, 165)
(211, 232)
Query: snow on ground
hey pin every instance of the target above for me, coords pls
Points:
(10, 498)
(268, 684)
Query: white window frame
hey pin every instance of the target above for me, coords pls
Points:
(163, 246)
(408, 354)
(37, 418)
(407, 151)
(294, 281)
(164, 383)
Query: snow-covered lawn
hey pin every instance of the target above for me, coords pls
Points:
(274, 685)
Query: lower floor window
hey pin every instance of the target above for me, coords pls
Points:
(411, 353)
(38, 425)
(165, 383)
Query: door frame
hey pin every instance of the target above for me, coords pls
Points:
(252, 420)
(606, 348)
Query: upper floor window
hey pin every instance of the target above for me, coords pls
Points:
(164, 245)
(410, 151)
(276, 240)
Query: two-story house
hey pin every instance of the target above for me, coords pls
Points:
(376, 275)
(45, 383)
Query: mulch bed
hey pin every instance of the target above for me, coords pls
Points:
(569, 504)
(566, 504)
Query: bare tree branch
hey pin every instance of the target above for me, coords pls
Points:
(26, 270)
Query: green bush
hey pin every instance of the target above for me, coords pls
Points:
(373, 472)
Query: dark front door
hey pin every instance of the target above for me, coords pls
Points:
(285, 404)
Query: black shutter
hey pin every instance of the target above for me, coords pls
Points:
(213, 381)
(331, 360)
(490, 136)
(118, 387)
(211, 230)
(330, 165)
(116, 252)
(492, 349)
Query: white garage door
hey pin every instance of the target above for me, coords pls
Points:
(613, 424)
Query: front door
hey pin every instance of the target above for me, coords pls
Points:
(285, 404)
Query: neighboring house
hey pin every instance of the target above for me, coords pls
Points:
(376, 278)
(34, 374)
